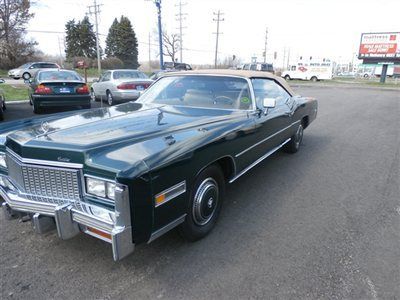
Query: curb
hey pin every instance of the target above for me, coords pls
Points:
(355, 86)
(17, 102)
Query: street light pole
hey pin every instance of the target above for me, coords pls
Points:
(158, 5)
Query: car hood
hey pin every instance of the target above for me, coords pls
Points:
(95, 134)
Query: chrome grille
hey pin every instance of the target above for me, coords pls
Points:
(45, 183)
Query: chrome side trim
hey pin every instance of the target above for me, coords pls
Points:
(44, 162)
(166, 228)
(259, 160)
(174, 191)
(266, 139)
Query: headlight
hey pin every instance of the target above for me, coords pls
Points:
(3, 160)
(100, 188)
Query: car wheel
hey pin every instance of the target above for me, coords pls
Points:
(366, 76)
(26, 76)
(314, 79)
(287, 77)
(204, 205)
(110, 99)
(294, 145)
(36, 109)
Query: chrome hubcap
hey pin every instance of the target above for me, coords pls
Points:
(299, 136)
(205, 201)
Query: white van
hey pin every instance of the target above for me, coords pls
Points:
(309, 70)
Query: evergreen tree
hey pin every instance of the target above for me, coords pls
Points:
(122, 43)
(87, 38)
(71, 39)
(80, 39)
(111, 41)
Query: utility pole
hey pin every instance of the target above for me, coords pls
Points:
(265, 45)
(59, 49)
(284, 58)
(288, 59)
(96, 12)
(218, 19)
(180, 18)
(149, 52)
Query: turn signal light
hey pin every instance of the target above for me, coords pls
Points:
(160, 199)
(99, 233)
(42, 89)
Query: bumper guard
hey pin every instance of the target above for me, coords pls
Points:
(73, 217)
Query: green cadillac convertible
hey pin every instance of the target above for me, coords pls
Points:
(128, 174)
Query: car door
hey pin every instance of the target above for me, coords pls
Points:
(33, 69)
(272, 124)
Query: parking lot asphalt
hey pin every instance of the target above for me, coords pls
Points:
(323, 223)
(24, 110)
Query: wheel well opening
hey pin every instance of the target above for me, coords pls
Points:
(305, 122)
(227, 166)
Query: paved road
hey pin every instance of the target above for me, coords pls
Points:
(320, 224)
(24, 110)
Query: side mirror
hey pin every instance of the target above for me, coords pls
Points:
(268, 103)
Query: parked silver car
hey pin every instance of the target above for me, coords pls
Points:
(120, 85)
(29, 70)
(2, 102)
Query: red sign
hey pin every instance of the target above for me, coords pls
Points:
(81, 64)
(380, 45)
(378, 48)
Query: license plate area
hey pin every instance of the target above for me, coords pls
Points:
(64, 90)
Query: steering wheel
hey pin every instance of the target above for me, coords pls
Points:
(226, 99)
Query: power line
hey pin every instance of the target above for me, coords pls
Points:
(218, 19)
(96, 12)
(180, 18)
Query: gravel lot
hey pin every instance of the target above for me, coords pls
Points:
(321, 224)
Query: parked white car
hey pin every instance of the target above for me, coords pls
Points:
(120, 86)
(29, 70)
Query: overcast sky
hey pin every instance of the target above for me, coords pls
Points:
(317, 28)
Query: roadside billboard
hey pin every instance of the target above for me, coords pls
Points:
(376, 46)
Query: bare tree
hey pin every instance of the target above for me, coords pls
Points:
(171, 44)
(14, 17)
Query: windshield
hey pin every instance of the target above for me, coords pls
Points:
(59, 75)
(128, 75)
(200, 91)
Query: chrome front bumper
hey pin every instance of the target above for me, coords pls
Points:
(73, 217)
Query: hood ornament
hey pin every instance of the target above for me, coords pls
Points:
(45, 127)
